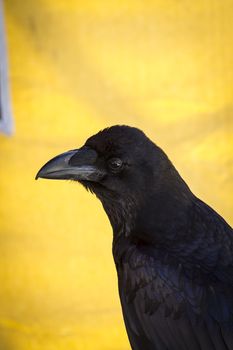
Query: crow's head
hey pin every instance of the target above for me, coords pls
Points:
(120, 165)
(114, 163)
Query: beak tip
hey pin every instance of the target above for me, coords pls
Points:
(38, 175)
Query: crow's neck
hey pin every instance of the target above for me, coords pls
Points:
(122, 215)
(157, 216)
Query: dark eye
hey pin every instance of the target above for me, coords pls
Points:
(115, 163)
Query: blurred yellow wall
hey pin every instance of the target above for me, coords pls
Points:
(76, 67)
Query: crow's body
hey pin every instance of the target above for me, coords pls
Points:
(173, 253)
(179, 297)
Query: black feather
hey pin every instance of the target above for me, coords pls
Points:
(175, 262)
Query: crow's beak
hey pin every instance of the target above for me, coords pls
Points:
(78, 164)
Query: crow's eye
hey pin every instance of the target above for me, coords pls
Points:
(115, 163)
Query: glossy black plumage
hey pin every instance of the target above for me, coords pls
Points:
(173, 253)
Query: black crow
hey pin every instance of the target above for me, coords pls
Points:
(173, 253)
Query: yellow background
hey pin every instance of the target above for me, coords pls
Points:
(165, 66)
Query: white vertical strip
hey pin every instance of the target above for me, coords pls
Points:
(6, 122)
